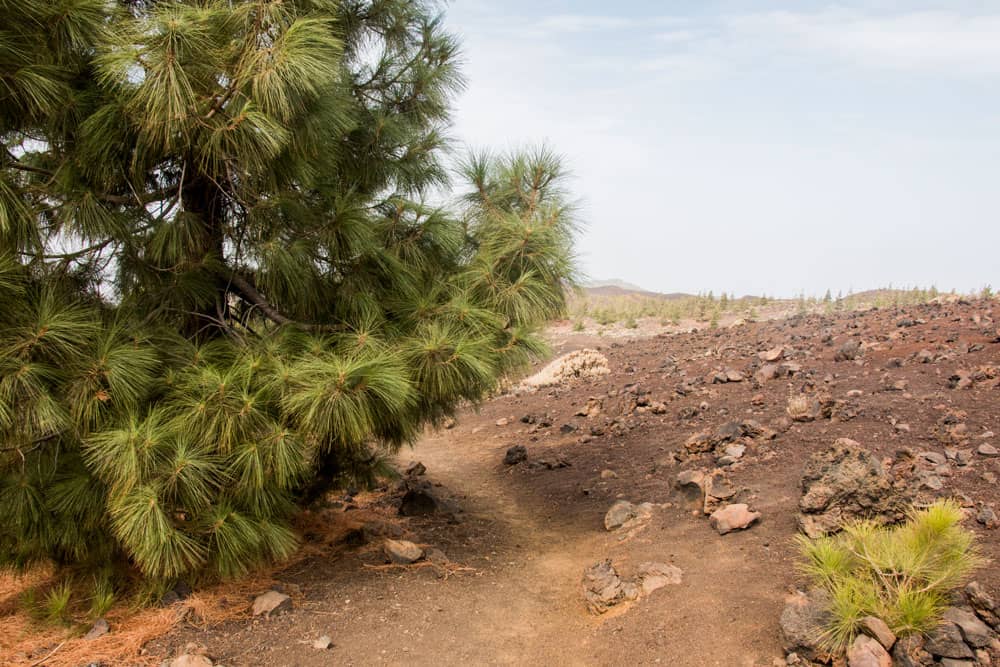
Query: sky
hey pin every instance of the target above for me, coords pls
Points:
(754, 147)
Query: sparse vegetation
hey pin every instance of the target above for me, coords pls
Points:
(900, 574)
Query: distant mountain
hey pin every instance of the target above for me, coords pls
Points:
(616, 287)
(614, 282)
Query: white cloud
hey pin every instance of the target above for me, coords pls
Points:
(942, 42)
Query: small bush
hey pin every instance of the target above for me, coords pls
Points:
(57, 603)
(902, 574)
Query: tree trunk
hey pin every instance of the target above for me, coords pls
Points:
(203, 197)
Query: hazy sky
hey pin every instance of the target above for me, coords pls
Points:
(755, 146)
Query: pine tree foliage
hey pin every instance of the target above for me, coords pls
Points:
(222, 284)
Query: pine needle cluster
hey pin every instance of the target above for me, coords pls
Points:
(222, 284)
(902, 574)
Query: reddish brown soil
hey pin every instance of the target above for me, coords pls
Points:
(525, 535)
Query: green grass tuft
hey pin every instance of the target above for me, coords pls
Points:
(901, 574)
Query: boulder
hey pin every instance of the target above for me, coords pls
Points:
(845, 482)
(867, 652)
(402, 552)
(732, 517)
(271, 603)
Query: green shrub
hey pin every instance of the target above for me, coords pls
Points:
(900, 574)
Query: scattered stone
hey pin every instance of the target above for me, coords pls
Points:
(846, 482)
(976, 633)
(620, 513)
(733, 517)
(418, 502)
(952, 662)
(735, 451)
(803, 408)
(935, 457)
(191, 660)
(909, 652)
(987, 449)
(867, 652)
(803, 621)
(603, 588)
(983, 604)
(416, 469)
(765, 373)
(849, 351)
(516, 454)
(503, 421)
(323, 643)
(592, 409)
(946, 640)
(988, 517)
(99, 629)
(774, 354)
(654, 576)
(608, 474)
(271, 603)
(876, 628)
(402, 552)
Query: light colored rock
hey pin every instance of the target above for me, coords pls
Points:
(620, 513)
(99, 629)
(270, 603)
(402, 552)
(190, 660)
(774, 354)
(578, 364)
(802, 408)
(654, 576)
(987, 449)
(323, 643)
(733, 517)
(867, 652)
(876, 628)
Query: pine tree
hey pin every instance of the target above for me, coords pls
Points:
(222, 282)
